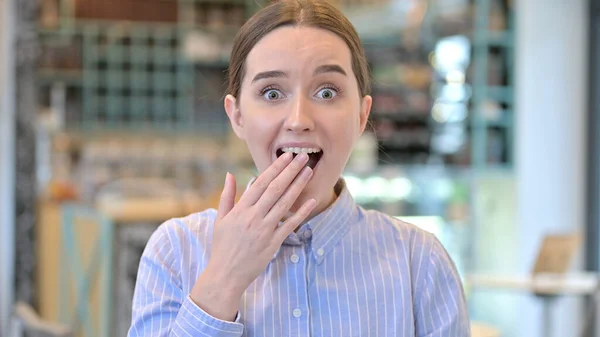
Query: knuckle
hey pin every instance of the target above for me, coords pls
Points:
(234, 213)
(283, 205)
(299, 216)
(280, 166)
(297, 165)
(276, 188)
(237, 218)
(291, 220)
(261, 184)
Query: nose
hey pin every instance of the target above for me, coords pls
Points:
(299, 118)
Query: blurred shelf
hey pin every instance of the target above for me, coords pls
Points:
(399, 88)
(216, 2)
(96, 26)
(229, 30)
(210, 64)
(500, 94)
(127, 63)
(403, 115)
(49, 76)
(504, 119)
(390, 18)
(500, 123)
(215, 131)
(402, 144)
(494, 39)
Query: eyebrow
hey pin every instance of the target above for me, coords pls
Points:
(269, 74)
(327, 68)
(330, 68)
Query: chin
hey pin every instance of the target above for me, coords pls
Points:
(309, 192)
(305, 195)
(318, 190)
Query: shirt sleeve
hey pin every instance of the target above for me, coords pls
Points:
(441, 309)
(160, 307)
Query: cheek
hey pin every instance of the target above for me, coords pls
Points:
(258, 123)
(346, 122)
(343, 131)
(260, 133)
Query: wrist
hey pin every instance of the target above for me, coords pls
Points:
(218, 298)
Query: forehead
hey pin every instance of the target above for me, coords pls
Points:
(298, 48)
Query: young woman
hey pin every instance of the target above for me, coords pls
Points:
(296, 256)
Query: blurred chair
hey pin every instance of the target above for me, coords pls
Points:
(27, 323)
(550, 279)
(85, 300)
(483, 330)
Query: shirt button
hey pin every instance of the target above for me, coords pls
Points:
(320, 252)
(297, 313)
(295, 258)
(308, 233)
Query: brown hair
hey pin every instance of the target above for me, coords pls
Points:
(311, 13)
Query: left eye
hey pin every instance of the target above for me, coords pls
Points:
(327, 93)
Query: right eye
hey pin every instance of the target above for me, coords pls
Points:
(272, 94)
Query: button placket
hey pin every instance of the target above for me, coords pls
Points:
(298, 309)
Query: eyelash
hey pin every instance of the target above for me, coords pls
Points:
(332, 87)
(264, 90)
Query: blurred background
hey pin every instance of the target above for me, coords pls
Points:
(486, 125)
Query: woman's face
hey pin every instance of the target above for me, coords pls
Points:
(299, 93)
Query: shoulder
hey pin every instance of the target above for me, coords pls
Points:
(430, 267)
(424, 249)
(408, 233)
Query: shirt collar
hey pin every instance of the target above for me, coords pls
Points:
(327, 227)
(330, 226)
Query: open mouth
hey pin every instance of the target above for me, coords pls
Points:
(314, 154)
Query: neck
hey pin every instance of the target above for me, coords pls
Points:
(323, 205)
(326, 202)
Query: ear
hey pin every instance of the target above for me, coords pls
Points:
(365, 111)
(235, 117)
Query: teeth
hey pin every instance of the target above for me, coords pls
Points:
(300, 149)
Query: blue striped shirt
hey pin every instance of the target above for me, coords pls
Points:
(346, 272)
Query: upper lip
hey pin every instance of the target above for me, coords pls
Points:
(304, 145)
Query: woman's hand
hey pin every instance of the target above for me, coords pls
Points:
(246, 235)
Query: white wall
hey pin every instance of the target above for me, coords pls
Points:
(7, 207)
(551, 95)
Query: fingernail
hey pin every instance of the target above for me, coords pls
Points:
(307, 171)
(302, 157)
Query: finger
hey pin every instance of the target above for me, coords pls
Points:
(287, 200)
(280, 184)
(261, 183)
(294, 221)
(227, 199)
